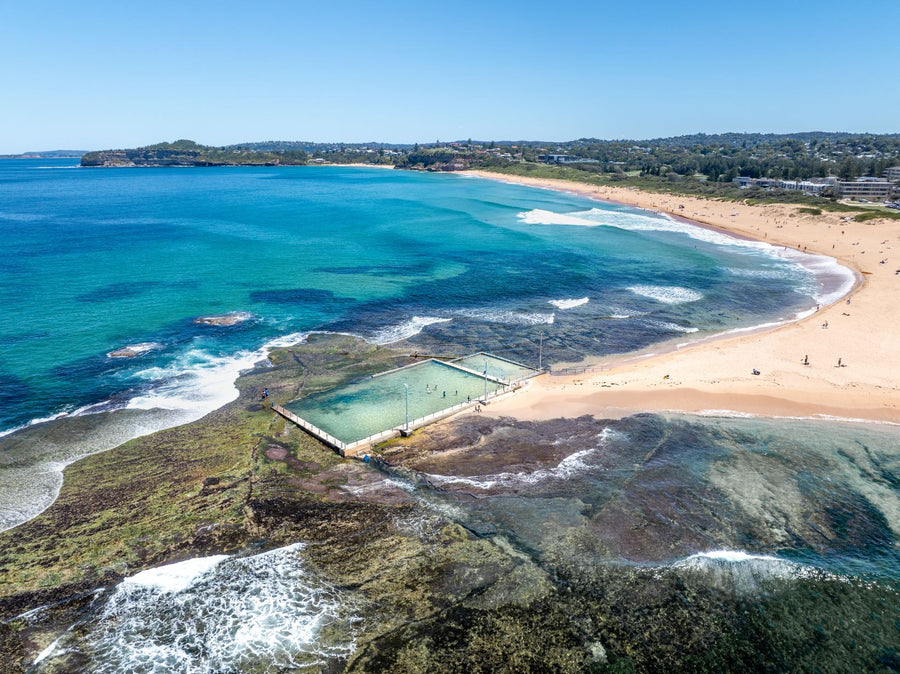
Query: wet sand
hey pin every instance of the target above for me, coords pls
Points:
(852, 346)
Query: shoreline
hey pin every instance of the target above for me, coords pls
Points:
(664, 377)
(714, 373)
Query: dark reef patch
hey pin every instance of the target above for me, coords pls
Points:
(293, 296)
(116, 291)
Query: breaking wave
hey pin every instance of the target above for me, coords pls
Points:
(571, 466)
(667, 294)
(745, 573)
(410, 328)
(264, 613)
(569, 304)
(671, 327)
(507, 317)
(193, 385)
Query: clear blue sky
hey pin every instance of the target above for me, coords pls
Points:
(92, 75)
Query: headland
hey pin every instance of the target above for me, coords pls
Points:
(838, 362)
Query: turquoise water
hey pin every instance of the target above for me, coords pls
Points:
(97, 260)
(109, 274)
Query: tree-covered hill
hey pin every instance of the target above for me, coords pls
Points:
(189, 153)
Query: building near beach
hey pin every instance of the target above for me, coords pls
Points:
(565, 159)
(874, 189)
(893, 174)
(805, 186)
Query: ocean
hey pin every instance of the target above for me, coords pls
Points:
(101, 260)
(135, 297)
(113, 280)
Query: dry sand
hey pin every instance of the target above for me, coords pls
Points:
(716, 375)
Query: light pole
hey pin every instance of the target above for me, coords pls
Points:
(406, 386)
(541, 352)
(485, 380)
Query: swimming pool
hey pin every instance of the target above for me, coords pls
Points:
(364, 408)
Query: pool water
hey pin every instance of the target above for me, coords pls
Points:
(375, 404)
(502, 369)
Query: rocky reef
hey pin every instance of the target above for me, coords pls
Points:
(474, 545)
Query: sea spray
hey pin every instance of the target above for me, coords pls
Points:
(264, 613)
(32, 464)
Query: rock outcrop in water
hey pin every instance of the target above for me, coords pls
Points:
(224, 320)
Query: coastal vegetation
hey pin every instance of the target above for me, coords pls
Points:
(696, 165)
(189, 153)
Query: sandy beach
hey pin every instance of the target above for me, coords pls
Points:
(851, 347)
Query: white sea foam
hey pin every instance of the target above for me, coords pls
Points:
(743, 572)
(405, 330)
(671, 327)
(569, 304)
(134, 350)
(34, 422)
(640, 222)
(569, 467)
(732, 556)
(189, 388)
(830, 280)
(259, 613)
(667, 294)
(196, 382)
(176, 577)
(608, 434)
(541, 217)
(52, 648)
(783, 273)
(508, 317)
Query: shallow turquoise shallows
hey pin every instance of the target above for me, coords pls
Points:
(100, 259)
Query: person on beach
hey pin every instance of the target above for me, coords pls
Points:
(806, 360)
(839, 363)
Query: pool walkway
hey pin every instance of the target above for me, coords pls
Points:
(499, 376)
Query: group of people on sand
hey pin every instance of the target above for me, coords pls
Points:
(840, 362)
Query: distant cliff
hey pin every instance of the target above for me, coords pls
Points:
(189, 153)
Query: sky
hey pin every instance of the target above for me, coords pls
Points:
(98, 75)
